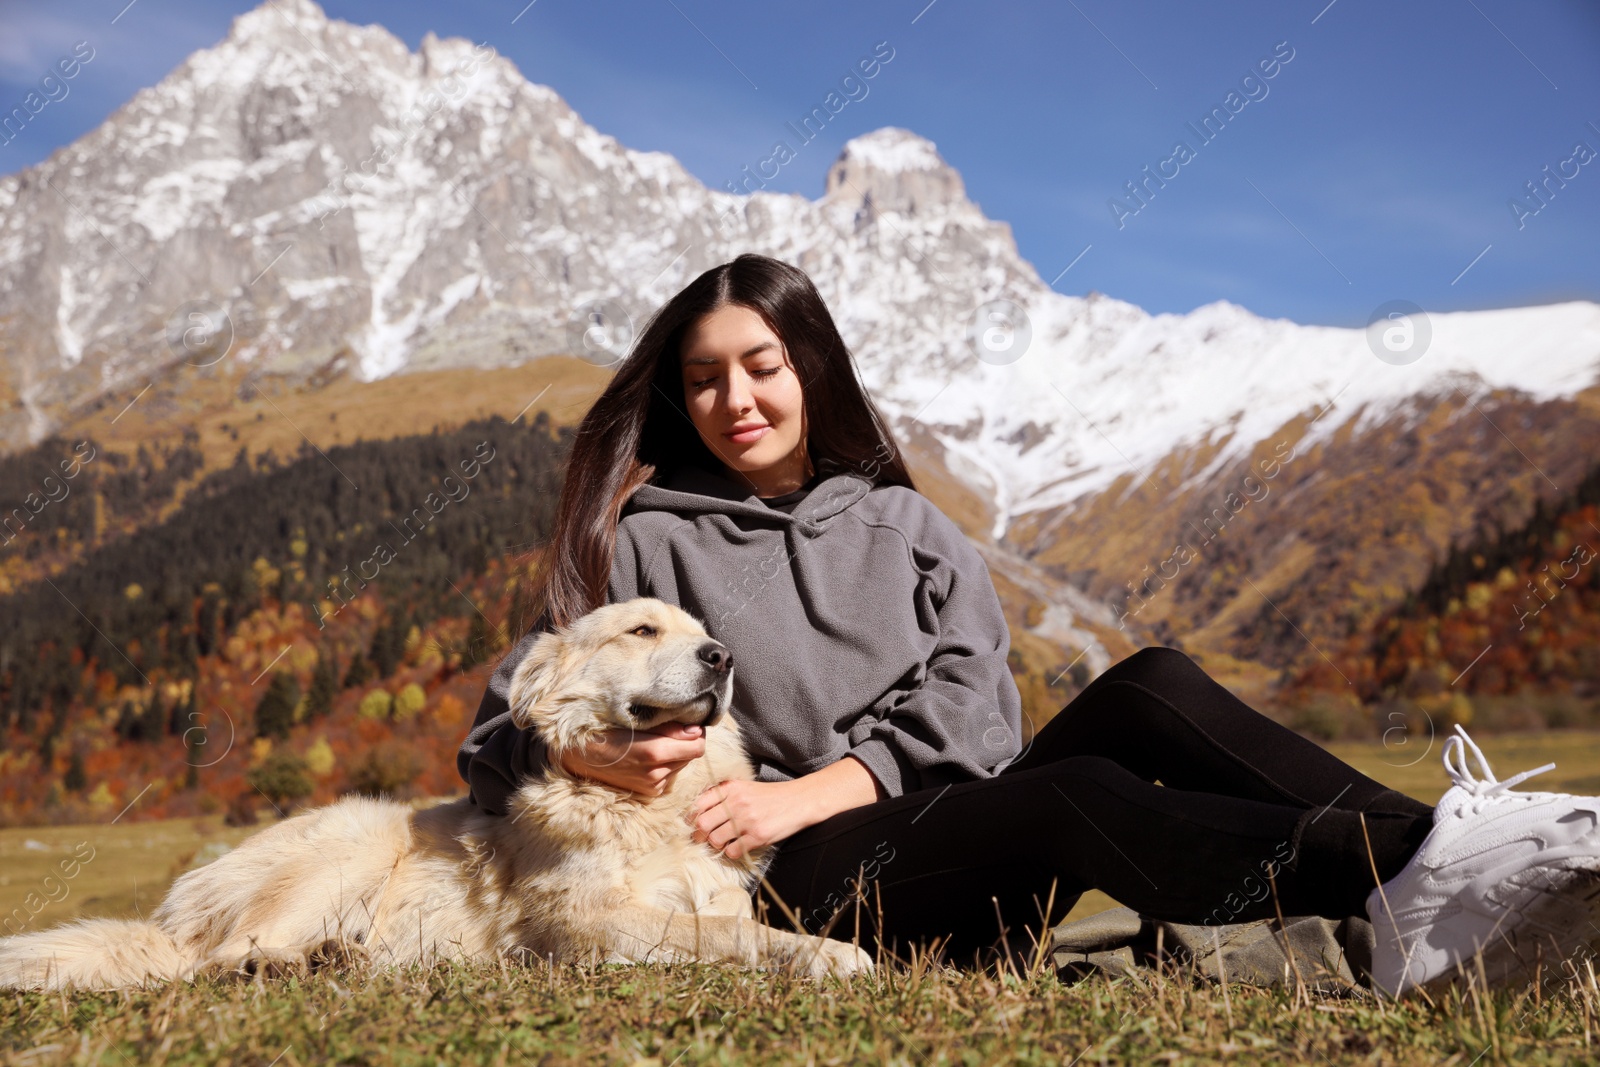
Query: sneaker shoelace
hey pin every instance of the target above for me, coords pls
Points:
(1488, 788)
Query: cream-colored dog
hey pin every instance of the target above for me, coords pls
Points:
(575, 870)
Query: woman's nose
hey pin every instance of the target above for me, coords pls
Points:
(739, 397)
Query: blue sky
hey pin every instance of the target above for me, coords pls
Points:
(1376, 164)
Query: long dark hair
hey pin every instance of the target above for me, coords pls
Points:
(639, 429)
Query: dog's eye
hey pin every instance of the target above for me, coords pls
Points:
(644, 631)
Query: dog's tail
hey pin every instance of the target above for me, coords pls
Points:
(92, 954)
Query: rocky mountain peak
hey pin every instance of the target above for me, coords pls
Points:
(893, 169)
(274, 15)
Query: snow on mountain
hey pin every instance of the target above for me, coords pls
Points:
(1106, 389)
(355, 206)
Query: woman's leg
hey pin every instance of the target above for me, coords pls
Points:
(1158, 714)
(942, 862)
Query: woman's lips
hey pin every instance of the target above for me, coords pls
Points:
(747, 436)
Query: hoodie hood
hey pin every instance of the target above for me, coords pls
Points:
(692, 490)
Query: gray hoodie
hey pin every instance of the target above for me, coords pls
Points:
(864, 623)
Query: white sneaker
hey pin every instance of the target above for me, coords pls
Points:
(1513, 875)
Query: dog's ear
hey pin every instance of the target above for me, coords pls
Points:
(536, 678)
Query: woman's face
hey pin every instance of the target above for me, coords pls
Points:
(744, 398)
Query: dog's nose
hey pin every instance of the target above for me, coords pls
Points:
(716, 656)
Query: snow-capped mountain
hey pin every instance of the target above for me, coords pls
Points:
(353, 206)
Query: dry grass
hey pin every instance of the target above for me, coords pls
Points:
(1412, 764)
(129, 868)
(909, 1013)
(230, 410)
(656, 1014)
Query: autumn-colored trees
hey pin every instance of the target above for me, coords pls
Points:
(208, 653)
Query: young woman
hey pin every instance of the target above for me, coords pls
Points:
(734, 466)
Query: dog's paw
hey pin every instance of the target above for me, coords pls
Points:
(258, 966)
(336, 954)
(838, 959)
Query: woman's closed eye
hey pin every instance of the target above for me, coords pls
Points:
(701, 383)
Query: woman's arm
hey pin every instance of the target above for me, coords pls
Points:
(962, 721)
(735, 817)
(963, 718)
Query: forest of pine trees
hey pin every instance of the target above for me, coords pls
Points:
(156, 601)
(366, 572)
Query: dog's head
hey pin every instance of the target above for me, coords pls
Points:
(636, 665)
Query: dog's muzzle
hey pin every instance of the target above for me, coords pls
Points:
(707, 706)
(704, 709)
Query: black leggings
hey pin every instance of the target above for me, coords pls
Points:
(1244, 806)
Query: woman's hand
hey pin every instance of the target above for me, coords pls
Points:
(737, 816)
(734, 817)
(640, 761)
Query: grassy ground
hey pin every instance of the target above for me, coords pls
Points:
(697, 1014)
(910, 1014)
(1412, 764)
(121, 870)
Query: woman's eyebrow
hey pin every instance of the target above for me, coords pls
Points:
(702, 360)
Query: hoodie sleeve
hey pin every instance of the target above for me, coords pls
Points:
(964, 720)
(497, 754)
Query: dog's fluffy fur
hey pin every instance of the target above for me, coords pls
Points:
(575, 870)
